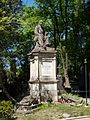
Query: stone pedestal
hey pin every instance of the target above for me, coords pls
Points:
(43, 81)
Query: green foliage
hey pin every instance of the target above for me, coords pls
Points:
(9, 13)
(70, 27)
(6, 110)
(8, 22)
(8, 35)
(44, 106)
(67, 22)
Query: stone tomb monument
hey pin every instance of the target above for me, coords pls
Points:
(43, 81)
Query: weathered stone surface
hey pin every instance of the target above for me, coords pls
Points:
(43, 74)
(27, 105)
(66, 115)
(41, 37)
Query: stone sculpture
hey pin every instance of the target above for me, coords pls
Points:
(41, 37)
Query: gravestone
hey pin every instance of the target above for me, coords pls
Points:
(43, 81)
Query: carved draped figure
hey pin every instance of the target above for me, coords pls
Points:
(41, 37)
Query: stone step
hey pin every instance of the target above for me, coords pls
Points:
(28, 109)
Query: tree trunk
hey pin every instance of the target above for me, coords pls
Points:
(65, 64)
(65, 69)
(67, 83)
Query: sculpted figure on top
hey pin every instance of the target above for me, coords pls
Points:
(41, 37)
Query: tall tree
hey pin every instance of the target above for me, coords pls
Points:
(57, 12)
(9, 10)
(70, 28)
(8, 22)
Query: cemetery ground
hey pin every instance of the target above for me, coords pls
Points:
(56, 111)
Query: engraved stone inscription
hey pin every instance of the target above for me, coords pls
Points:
(47, 69)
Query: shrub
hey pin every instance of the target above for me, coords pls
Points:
(6, 110)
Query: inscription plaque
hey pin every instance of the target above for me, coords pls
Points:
(47, 69)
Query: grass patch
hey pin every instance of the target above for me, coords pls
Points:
(74, 111)
(56, 111)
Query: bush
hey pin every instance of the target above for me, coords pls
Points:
(6, 110)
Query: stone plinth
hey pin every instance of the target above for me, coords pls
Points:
(43, 74)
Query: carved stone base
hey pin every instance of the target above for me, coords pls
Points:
(44, 90)
(43, 81)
